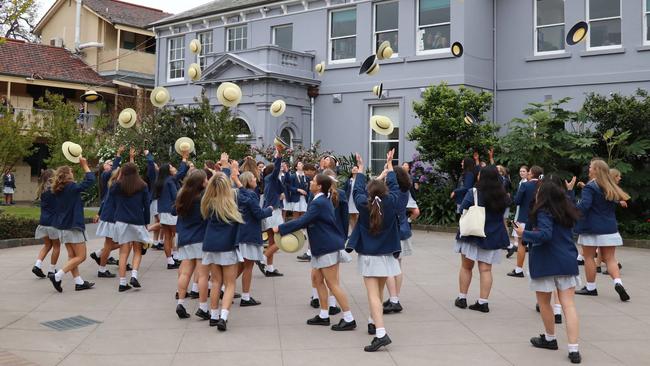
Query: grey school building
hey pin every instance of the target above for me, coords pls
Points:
(513, 48)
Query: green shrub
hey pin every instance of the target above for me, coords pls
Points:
(436, 208)
(635, 229)
(14, 227)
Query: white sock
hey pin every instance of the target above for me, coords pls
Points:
(38, 263)
(591, 286)
(462, 295)
(324, 314)
(134, 274)
(224, 314)
(209, 285)
(214, 313)
(347, 316)
(331, 301)
(573, 347)
(482, 301)
(269, 268)
(245, 296)
(518, 269)
(618, 281)
(380, 333)
(181, 301)
(580, 257)
(309, 252)
(370, 321)
(512, 245)
(170, 260)
(223, 288)
(51, 268)
(101, 269)
(195, 287)
(78, 280)
(203, 306)
(394, 299)
(58, 275)
(549, 337)
(174, 254)
(314, 293)
(122, 281)
(557, 309)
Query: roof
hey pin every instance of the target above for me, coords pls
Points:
(39, 61)
(214, 7)
(120, 12)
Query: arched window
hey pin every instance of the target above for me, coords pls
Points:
(243, 131)
(287, 136)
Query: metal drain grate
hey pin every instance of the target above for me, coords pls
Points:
(74, 322)
(9, 359)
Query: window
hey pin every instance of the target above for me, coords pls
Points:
(128, 40)
(150, 45)
(237, 37)
(646, 21)
(343, 35)
(205, 38)
(176, 61)
(380, 144)
(287, 136)
(604, 17)
(434, 24)
(549, 26)
(283, 36)
(242, 129)
(386, 17)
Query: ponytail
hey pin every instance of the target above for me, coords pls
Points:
(376, 190)
(333, 192)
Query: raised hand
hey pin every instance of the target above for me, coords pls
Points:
(359, 162)
(146, 153)
(120, 150)
(570, 184)
(389, 159)
(185, 154)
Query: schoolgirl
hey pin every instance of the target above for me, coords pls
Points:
(108, 167)
(249, 236)
(523, 175)
(219, 208)
(165, 191)
(598, 228)
(286, 178)
(272, 191)
(551, 261)
(45, 230)
(412, 209)
(106, 229)
(152, 177)
(310, 172)
(465, 183)
(489, 193)
(376, 240)
(299, 190)
(191, 232)
(524, 199)
(352, 208)
(69, 220)
(326, 239)
(9, 183)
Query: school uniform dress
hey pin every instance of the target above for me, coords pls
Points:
(151, 177)
(219, 243)
(349, 184)
(131, 215)
(45, 228)
(272, 191)
(552, 255)
(488, 249)
(377, 252)
(69, 219)
(249, 235)
(514, 233)
(523, 199)
(190, 231)
(104, 177)
(9, 182)
(465, 184)
(404, 227)
(168, 196)
(597, 226)
(106, 225)
(326, 239)
(301, 181)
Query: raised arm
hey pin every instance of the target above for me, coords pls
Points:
(301, 222)
(89, 177)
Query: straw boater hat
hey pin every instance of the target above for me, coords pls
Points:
(470, 119)
(457, 49)
(384, 51)
(577, 33)
(71, 151)
(381, 124)
(91, 96)
(369, 66)
(127, 118)
(320, 68)
(378, 90)
(280, 143)
(184, 144)
(290, 243)
(278, 107)
(229, 94)
(195, 46)
(159, 97)
(194, 72)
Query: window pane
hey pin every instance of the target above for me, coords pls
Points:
(432, 38)
(388, 36)
(550, 12)
(434, 11)
(344, 23)
(378, 155)
(390, 111)
(344, 48)
(286, 136)
(284, 37)
(550, 38)
(386, 16)
(605, 33)
(604, 8)
(647, 32)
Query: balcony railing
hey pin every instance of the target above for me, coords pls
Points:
(34, 115)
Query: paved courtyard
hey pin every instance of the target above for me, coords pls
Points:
(141, 327)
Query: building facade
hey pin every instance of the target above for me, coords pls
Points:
(512, 48)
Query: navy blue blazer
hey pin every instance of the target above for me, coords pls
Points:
(107, 208)
(342, 213)
(9, 181)
(496, 235)
(104, 177)
(552, 252)
(219, 236)
(48, 208)
(467, 184)
(325, 235)
(272, 186)
(151, 175)
(191, 227)
(301, 182)
(524, 198)
(387, 240)
(292, 187)
(70, 207)
(132, 209)
(404, 226)
(249, 205)
(598, 214)
(170, 189)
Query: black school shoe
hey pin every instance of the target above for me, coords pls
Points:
(38, 272)
(213, 322)
(275, 273)
(537, 308)
(392, 308)
(333, 310)
(483, 308)
(581, 262)
(541, 342)
(181, 312)
(621, 292)
(512, 250)
(460, 303)
(84, 286)
(112, 261)
(317, 320)
(204, 315)
(56, 284)
(123, 288)
(173, 266)
(106, 274)
(249, 302)
(377, 343)
(575, 357)
(221, 325)
(193, 295)
(134, 282)
(314, 303)
(514, 273)
(262, 267)
(372, 329)
(343, 325)
(304, 257)
(600, 270)
(584, 291)
(558, 318)
(95, 257)
(159, 246)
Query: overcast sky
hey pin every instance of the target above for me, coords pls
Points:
(170, 6)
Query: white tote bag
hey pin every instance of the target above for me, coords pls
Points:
(472, 221)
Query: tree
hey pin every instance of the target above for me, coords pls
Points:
(16, 138)
(215, 132)
(18, 19)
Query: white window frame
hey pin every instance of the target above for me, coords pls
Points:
(371, 141)
(291, 135)
(329, 38)
(417, 30)
(275, 27)
(536, 30)
(646, 15)
(204, 47)
(589, 20)
(374, 25)
(181, 39)
(244, 26)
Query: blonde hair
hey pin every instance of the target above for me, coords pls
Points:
(113, 177)
(611, 190)
(45, 182)
(614, 173)
(219, 200)
(62, 176)
(250, 165)
(246, 178)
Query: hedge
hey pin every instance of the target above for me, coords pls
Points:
(16, 227)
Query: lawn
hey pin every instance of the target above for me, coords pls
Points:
(34, 212)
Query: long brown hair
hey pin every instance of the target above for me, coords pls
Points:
(403, 179)
(377, 190)
(62, 176)
(190, 192)
(611, 190)
(130, 181)
(334, 193)
(45, 182)
(250, 165)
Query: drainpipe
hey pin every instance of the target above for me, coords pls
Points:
(494, 61)
(312, 92)
(77, 26)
